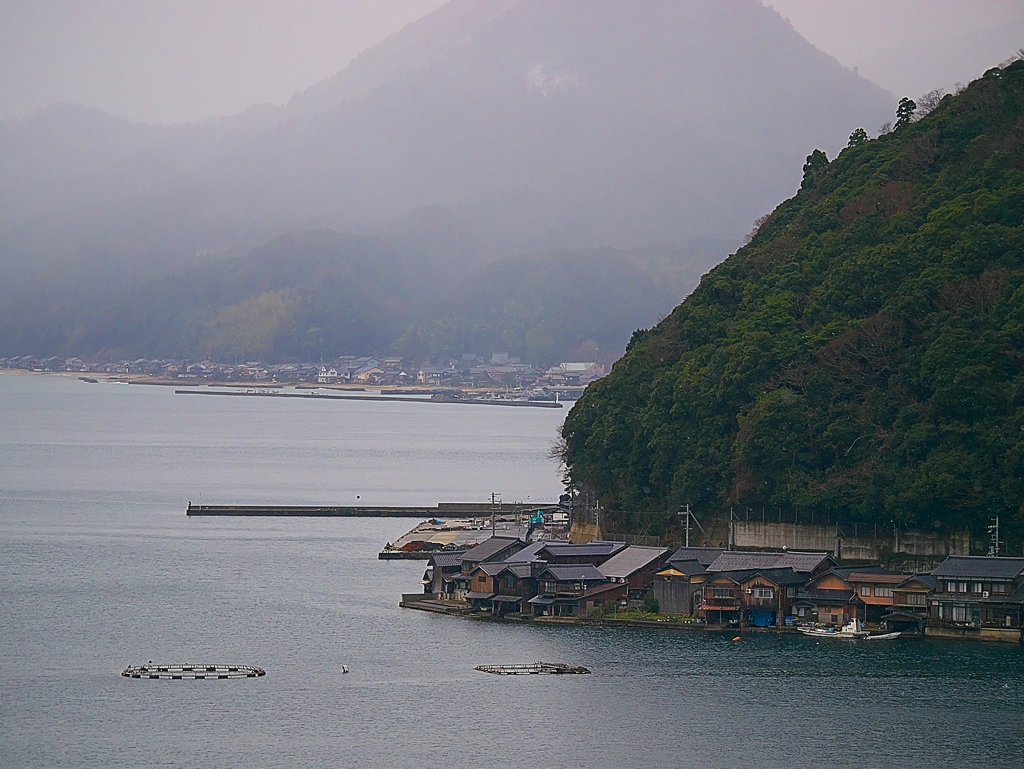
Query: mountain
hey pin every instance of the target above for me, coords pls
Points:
(534, 124)
(861, 357)
(541, 306)
(307, 295)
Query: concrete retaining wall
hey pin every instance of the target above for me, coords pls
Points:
(925, 546)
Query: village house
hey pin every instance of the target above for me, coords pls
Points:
(480, 584)
(909, 612)
(563, 590)
(875, 587)
(677, 586)
(593, 553)
(979, 597)
(829, 599)
(635, 567)
(445, 573)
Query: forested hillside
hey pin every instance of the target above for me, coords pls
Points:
(308, 295)
(862, 357)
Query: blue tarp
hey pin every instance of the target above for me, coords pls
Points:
(760, 618)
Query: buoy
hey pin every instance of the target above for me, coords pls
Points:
(736, 638)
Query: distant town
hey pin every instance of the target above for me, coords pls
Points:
(497, 371)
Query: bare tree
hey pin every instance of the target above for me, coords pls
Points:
(1018, 56)
(758, 223)
(927, 102)
(885, 128)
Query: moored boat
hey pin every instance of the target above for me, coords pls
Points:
(851, 629)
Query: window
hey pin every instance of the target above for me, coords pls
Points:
(790, 592)
(549, 587)
(883, 592)
(976, 587)
(764, 592)
(961, 587)
(481, 578)
(510, 581)
(951, 587)
(721, 592)
(1000, 587)
(865, 590)
(915, 599)
(959, 613)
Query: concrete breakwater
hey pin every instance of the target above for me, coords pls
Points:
(405, 399)
(442, 509)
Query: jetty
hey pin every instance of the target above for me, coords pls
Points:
(192, 671)
(261, 393)
(533, 669)
(442, 509)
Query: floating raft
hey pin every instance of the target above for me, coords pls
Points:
(193, 671)
(533, 669)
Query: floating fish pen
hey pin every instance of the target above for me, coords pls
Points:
(533, 669)
(187, 671)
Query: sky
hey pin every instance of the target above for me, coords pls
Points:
(169, 61)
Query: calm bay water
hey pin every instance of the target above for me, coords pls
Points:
(101, 569)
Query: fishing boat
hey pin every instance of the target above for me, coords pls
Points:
(851, 629)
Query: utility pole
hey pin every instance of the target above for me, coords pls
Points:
(690, 517)
(495, 502)
(993, 530)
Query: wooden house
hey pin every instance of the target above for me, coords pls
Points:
(446, 569)
(767, 596)
(979, 597)
(828, 599)
(909, 613)
(481, 586)
(876, 590)
(562, 587)
(635, 567)
(677, 585)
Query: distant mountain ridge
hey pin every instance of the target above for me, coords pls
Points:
(497, 126)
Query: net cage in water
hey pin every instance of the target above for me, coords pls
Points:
(192, 671)
(532, 669)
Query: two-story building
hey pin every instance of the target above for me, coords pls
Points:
(635, 567)
(980, 597)
(909, 612)
(562, 590)
(678, 585)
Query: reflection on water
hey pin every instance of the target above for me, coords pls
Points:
(102, 569)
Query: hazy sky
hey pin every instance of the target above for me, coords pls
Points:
(179, 60)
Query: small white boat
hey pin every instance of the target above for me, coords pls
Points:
(851, 629)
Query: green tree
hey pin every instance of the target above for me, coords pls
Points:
(814, 163)
(904, 113)
(858, 137)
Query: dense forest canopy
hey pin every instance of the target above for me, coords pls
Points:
(862, 356)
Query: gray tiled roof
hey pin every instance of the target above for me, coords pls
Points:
(597, 547)
(736, 561)
(979, 567)
(827, 597)
(488, 549)
(572, 572)
(447, 559)
(705, 556)
(630, 560)
(528, 553)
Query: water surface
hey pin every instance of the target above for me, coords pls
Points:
(102, 569)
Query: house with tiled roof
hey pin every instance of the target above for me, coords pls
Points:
(980, 597)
